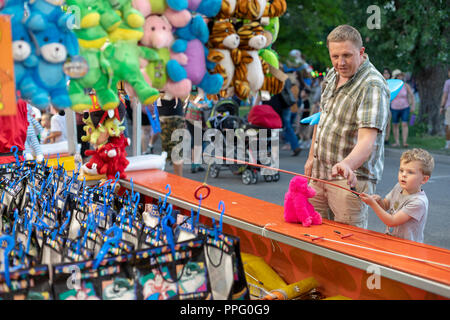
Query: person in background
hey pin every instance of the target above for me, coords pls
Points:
(171, 118)
(387, 74)
(348, 143)
(445, 109)
(282, 103)
(45, 123)
(401, 107)
(305, 130)
(58, 128)
(405, 208)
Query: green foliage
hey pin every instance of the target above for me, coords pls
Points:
(305, 26)
(413, 34)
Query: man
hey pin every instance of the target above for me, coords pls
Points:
(347, 145)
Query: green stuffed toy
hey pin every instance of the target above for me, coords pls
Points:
(91, 37)
(273, 77)
(123, 53)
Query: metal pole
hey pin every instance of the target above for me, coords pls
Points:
(137, 130)
(71, 126)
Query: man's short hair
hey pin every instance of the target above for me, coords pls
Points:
(343, 33)
(422, 156)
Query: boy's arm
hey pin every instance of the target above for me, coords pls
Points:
(391, 220)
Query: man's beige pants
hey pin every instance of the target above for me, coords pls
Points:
(336, 204)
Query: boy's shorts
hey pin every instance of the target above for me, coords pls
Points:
(447, 116)
(168, 126)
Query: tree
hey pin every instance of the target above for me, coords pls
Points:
(413, 36)
(305, 26)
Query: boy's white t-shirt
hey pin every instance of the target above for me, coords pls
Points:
(58, 123)
(416, 206)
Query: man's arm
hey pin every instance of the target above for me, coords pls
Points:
(309, 161)
(360, 153)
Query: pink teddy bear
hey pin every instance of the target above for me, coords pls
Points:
(297, 208)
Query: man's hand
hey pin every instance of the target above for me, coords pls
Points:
(345, 171)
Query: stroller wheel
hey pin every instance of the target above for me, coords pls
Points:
(276, 177)
(214, 171)
(254, 176)
(268, 178)
(247, 176)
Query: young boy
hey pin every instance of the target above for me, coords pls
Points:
(405, 208)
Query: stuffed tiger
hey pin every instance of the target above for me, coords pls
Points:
(223, 43)
(255, 9)
(250, 9)
(250, 70)
(275, 8)
(227, 10)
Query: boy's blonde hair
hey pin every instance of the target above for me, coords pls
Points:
(422, 156)
(343, 33)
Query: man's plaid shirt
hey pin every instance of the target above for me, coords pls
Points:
(362, 102)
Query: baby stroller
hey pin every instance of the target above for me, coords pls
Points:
(225, 116)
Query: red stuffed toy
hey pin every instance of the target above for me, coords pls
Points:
(297, 208)
(117, 156)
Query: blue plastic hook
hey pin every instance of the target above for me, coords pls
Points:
(111, 240)
(15, 154)
(9, 246)
(167, 195)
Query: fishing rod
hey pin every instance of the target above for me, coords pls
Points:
(205, 186)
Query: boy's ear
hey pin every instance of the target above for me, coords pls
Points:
(425, 179)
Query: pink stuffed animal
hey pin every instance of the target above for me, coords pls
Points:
(158, 35)
(297, 208)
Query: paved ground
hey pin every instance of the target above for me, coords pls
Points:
(437, 189)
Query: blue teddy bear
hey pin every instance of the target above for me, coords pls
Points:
(23, 50)
(44, 11)
(48, 80)
(191, 41)
(208, 8)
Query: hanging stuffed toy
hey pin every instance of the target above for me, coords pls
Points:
(227, 9)
(105, 133)
(297, 208)
(256, 9)
(223, 43)
(158, 35)
(191, 41)
(273, 78)
(250, 9)
(207, 8)
(275, 8)
(123, 54)
(174, 10)
(92, 37)
(48, 82)
(43, 12)
(249, 74)
(23, 49)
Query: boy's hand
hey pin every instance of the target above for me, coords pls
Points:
(370, 199)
